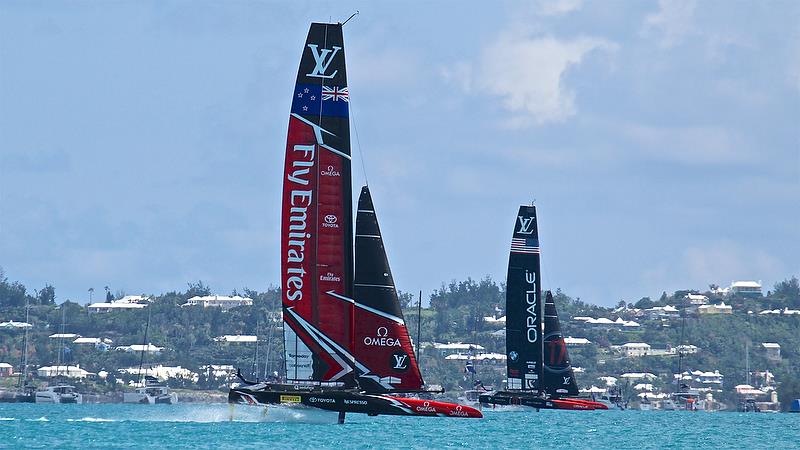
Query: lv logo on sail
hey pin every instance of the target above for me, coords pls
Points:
(323, 61)
(525, 225)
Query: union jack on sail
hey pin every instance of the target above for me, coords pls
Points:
(335, 93)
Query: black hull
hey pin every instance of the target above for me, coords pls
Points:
(347, 401)
(19, 398)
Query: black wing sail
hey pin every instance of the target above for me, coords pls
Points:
(559, 378)
(524, 340)
(381, 346)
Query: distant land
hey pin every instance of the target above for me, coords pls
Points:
(207, 336)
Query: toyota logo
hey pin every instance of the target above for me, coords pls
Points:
(330, 218)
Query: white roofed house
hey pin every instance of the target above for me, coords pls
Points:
(137, 348)
(721, 308)
(697, 299)
(63, 371)
(458, 348)
(237, 339)
(635, 349)
(576, 342)
(745, 288)
(772, 350)
(6, 369)
(219, 301)
(128, 302)
(12, 324)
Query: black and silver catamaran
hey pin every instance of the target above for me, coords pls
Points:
(539, 372)
(347, 346)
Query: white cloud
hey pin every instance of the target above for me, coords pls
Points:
(725, 261)
(528, 74)
(672, 23)
(557, 7)
(689, 145)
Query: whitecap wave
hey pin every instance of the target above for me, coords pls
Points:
(40, 419)
(7, 419)
(91, 419)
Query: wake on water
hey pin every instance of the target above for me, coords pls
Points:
(207, 414)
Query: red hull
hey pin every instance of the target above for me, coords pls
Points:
(433, 408)
(578, 405)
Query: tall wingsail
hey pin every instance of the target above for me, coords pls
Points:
(524, 340)
(316, 226)
(558, 379)
(382, 347)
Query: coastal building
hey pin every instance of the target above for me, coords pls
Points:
(697, 299)
(661, 312)
(772, 350)
(128, 302)
(495, 320)
(721, 308)
(686, 349)
(218, 371)
(708, 380)
(12, 324)
(458, 348)
(138, 348)
(576, 342)
(486, 358)
(6, 369)
(638, 376)
(604, 322)
(64, 336)
(219, 301)
(609, 381)
(163, 373)
(237, 339)
(63, 371)
(635, 349)
(745, 289)
(100, 344)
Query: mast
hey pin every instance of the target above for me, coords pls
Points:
(524, 340)
(25, 346)
(144, 344)
(419, 324)
(316, 225)
(61, 341)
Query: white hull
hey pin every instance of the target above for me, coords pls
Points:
(58, 394)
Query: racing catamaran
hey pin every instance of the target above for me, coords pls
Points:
(346, 342)
(539, 372)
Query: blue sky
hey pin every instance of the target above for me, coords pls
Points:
(141, 141)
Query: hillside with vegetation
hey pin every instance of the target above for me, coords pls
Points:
(457, 312)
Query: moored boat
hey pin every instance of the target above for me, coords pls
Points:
(60, 393)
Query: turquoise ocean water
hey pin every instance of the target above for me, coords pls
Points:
(214, 426)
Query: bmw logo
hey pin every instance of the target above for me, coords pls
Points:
(513, 355)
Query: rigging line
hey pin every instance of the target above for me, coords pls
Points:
(358, 142)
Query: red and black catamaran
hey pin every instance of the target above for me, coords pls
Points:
(539, 372)
(346, 343)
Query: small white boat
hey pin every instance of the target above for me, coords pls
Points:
(61, 393)
(152, 393)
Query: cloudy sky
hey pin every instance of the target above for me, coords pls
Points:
(141, 141)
